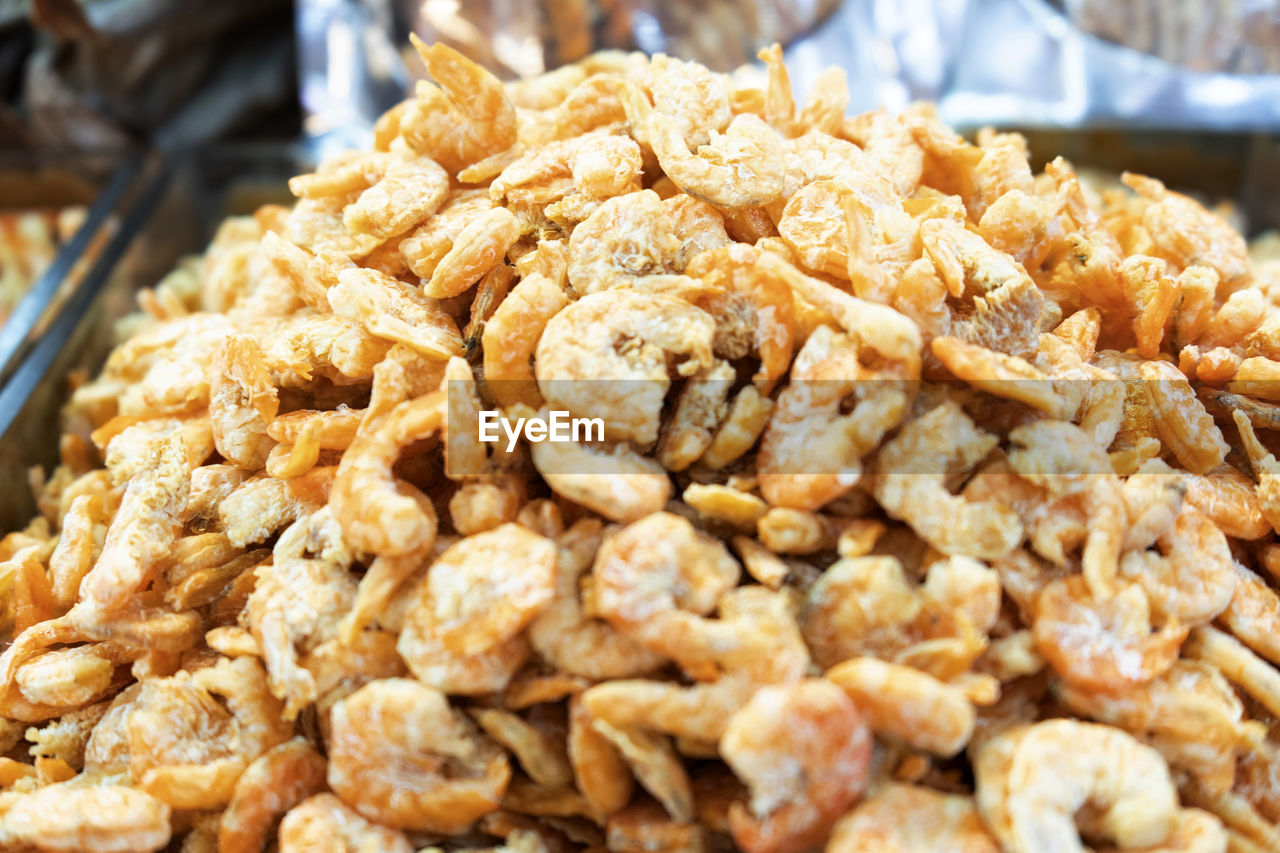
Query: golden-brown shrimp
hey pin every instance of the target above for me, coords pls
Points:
(98, 819)
(511, 335)
(1185, 233)
(464, 634)
(900, 818)
(910, 485)
(1193, 579)
(1102, 644)
(1033, 780)
(607, 355)
(752, 305)
(657, 578)
(463, 121)
(323, 822)
(1265, 468)
(296, 606)
(1190, 714)
(377, 511)
(626, 240)
(270, 786)
(394, 311)
(242, 402)
(692, 97)
(742, 167)
(804, 751)
(1184, 425)
(616, 481)
(74, 554)
(147, 523)
(399, 755)
(569, 639)
(907, 704)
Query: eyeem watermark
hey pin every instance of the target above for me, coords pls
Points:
(557, 426)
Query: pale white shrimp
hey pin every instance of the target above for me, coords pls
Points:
(1033, 780)
(145, 526)
(242, 402)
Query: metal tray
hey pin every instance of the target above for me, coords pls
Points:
(163, 207)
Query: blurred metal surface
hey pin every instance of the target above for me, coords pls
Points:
(1027, 63)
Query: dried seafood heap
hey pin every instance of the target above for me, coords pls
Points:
(920, 528)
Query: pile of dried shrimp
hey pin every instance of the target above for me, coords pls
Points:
(935, 511)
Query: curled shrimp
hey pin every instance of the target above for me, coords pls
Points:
(323, 822)
(1190, 714)
(902, 702)
(910, 485)
(752, 305)
(297, 605)
(242, 402)
(742, 167)
(618, 482)
(401, 756)
(377, 511)
(1033, 780)
(804, 751)
(1185, 233)
(608, 353)
(1104, 645)
(602, 166)
(912, 819)
(657, 577)
(98, 819)
(270, 786)
(794, 470)
(145, 526)
(755, 642)
(626, 240)
(1065, 460)
(1265, 468)
(692, 97)
(1254, 614)
(511, 335)
(464, 633)
(569, 639)
(1192, 580)
(465, 120)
